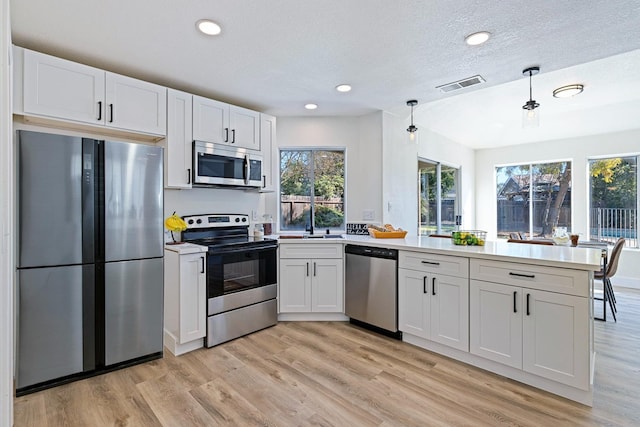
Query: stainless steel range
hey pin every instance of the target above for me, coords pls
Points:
(241, 275)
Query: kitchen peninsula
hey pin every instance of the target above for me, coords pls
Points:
(522, 311)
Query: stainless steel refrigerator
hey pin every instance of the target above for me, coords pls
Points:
(90, 266)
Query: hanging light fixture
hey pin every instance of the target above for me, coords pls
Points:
(412, 129)
(530, 117)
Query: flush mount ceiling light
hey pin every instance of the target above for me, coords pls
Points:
(412, 129)
(311, 106)
(208, 27)
(477, 38)
(343, 88)
(530, 117)
(568, 91)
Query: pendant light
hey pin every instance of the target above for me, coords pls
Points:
(530, 117)
(412, 129)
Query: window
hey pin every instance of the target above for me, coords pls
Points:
(438, 198)
(312, 189)
(533, 199)
(614, 199)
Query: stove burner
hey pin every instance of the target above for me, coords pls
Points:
(224, 231)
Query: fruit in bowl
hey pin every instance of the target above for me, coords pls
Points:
(469, 238)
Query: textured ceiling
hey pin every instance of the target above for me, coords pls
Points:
(277, 55)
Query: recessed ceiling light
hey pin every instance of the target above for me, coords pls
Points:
(343, 88)
(311, 106)
(568, 91)
(477, 38)
(208, 27)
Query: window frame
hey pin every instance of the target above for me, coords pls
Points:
(532, 201)
(313, 149)
(457, 204)
(630, 242)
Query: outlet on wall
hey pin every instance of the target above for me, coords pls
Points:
(254, 215)
(369, 214)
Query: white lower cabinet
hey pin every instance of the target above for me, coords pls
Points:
(311, 285)
(434, 307)
(185, 298)
(543, 333)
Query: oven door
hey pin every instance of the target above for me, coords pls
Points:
(235, 270)
(221, 165)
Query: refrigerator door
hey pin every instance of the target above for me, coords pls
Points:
(133, 309)
(133, 201)
(50, 191)
(52, 323)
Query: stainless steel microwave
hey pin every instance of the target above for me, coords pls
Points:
(221, 165)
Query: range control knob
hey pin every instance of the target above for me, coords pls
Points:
(198, 221)
(244, 219)
(237, 219)
(190, 221)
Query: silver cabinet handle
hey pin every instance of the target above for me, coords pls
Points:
(430, 262)
(314, 269)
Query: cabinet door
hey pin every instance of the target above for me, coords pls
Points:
(295, 286)
(245, 127)
(179, 141)
(135, 105)
(268, 148)
(413, 302)
(556, 337)
(63, 89)
(211, 121)
(495, 320)
(193, 297)
(449, 320)
(327, 286)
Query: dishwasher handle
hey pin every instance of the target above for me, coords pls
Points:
(369, 251)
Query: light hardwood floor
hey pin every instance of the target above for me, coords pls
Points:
(335, 374)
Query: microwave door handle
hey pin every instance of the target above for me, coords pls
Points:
(246, 170)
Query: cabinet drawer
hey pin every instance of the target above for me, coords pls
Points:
(310, 250)
(571, 282)
(431, 263)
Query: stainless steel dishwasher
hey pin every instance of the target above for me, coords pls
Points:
(371, 288)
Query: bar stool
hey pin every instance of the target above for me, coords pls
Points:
(605, 274)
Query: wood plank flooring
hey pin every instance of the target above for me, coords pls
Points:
(335, 374)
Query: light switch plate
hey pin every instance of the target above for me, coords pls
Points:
(369, 214)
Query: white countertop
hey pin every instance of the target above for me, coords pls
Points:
(553, 256)
(185, 248)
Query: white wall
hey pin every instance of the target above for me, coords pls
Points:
(212, 200)
(382, 164)
(400, 188)
(361, 137)
(577, 150)
(6, 223)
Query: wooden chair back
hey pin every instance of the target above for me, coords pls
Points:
(531, 242)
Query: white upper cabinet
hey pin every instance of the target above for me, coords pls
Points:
(179, 142)
(60, 89)
(135, 105)
(245, 127)
(56, 87)
(210, 120)
(268, 148)
(222, 123)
